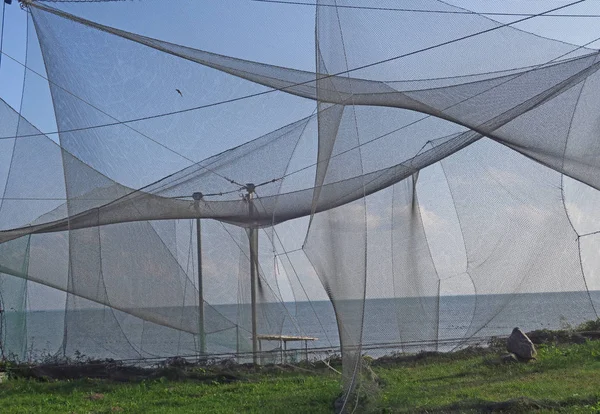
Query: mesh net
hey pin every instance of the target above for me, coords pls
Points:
(363, 184)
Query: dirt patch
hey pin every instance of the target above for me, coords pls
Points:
(95, 396)
(115, 371)
(410, 359)
(227, 370)
(174, 369)
(545, 336)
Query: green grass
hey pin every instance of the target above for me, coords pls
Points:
(290, 394)
(565, 378)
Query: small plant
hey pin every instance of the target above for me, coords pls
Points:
(564, 324)
(80, 358)
(497, 344)
(593, 325)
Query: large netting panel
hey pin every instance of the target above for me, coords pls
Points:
(518, 239)
(485, 118)
(101, 92)
(217, 326)
(224, 285)
(97, 267)
(25, 197)
(589, 259)
(356, 168)
(174, 302)
(575, 150)
(416, 282)
(372, 35)
(75, 143)
(49, 250)
(34, 182)
(336, 241)
(340, 89)
(271, 301)
(45, 320)
(140, 338)
(240, 166)
(446, 247)
(14, 298)
(14, 257)
(10, 119)
(93, 330)
(524, 106)
(149, 258)
(270, 311)
(126, 266)
(333, 233)
(468, 102)
(310, 312)
(581, 203)
(380, 325)
(399, 263)
(227, 28)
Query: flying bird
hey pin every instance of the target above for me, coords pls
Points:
(179, 92)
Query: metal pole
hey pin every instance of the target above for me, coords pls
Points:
(253, 238)
(201, 334)
(200, 290)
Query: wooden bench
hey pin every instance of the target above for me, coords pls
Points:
(283, 340)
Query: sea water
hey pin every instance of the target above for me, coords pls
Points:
(386, 321)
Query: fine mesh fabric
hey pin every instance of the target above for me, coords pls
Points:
(427, 183)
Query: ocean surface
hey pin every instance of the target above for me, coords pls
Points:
(98, 333)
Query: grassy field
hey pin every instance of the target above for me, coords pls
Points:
(565, 378)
